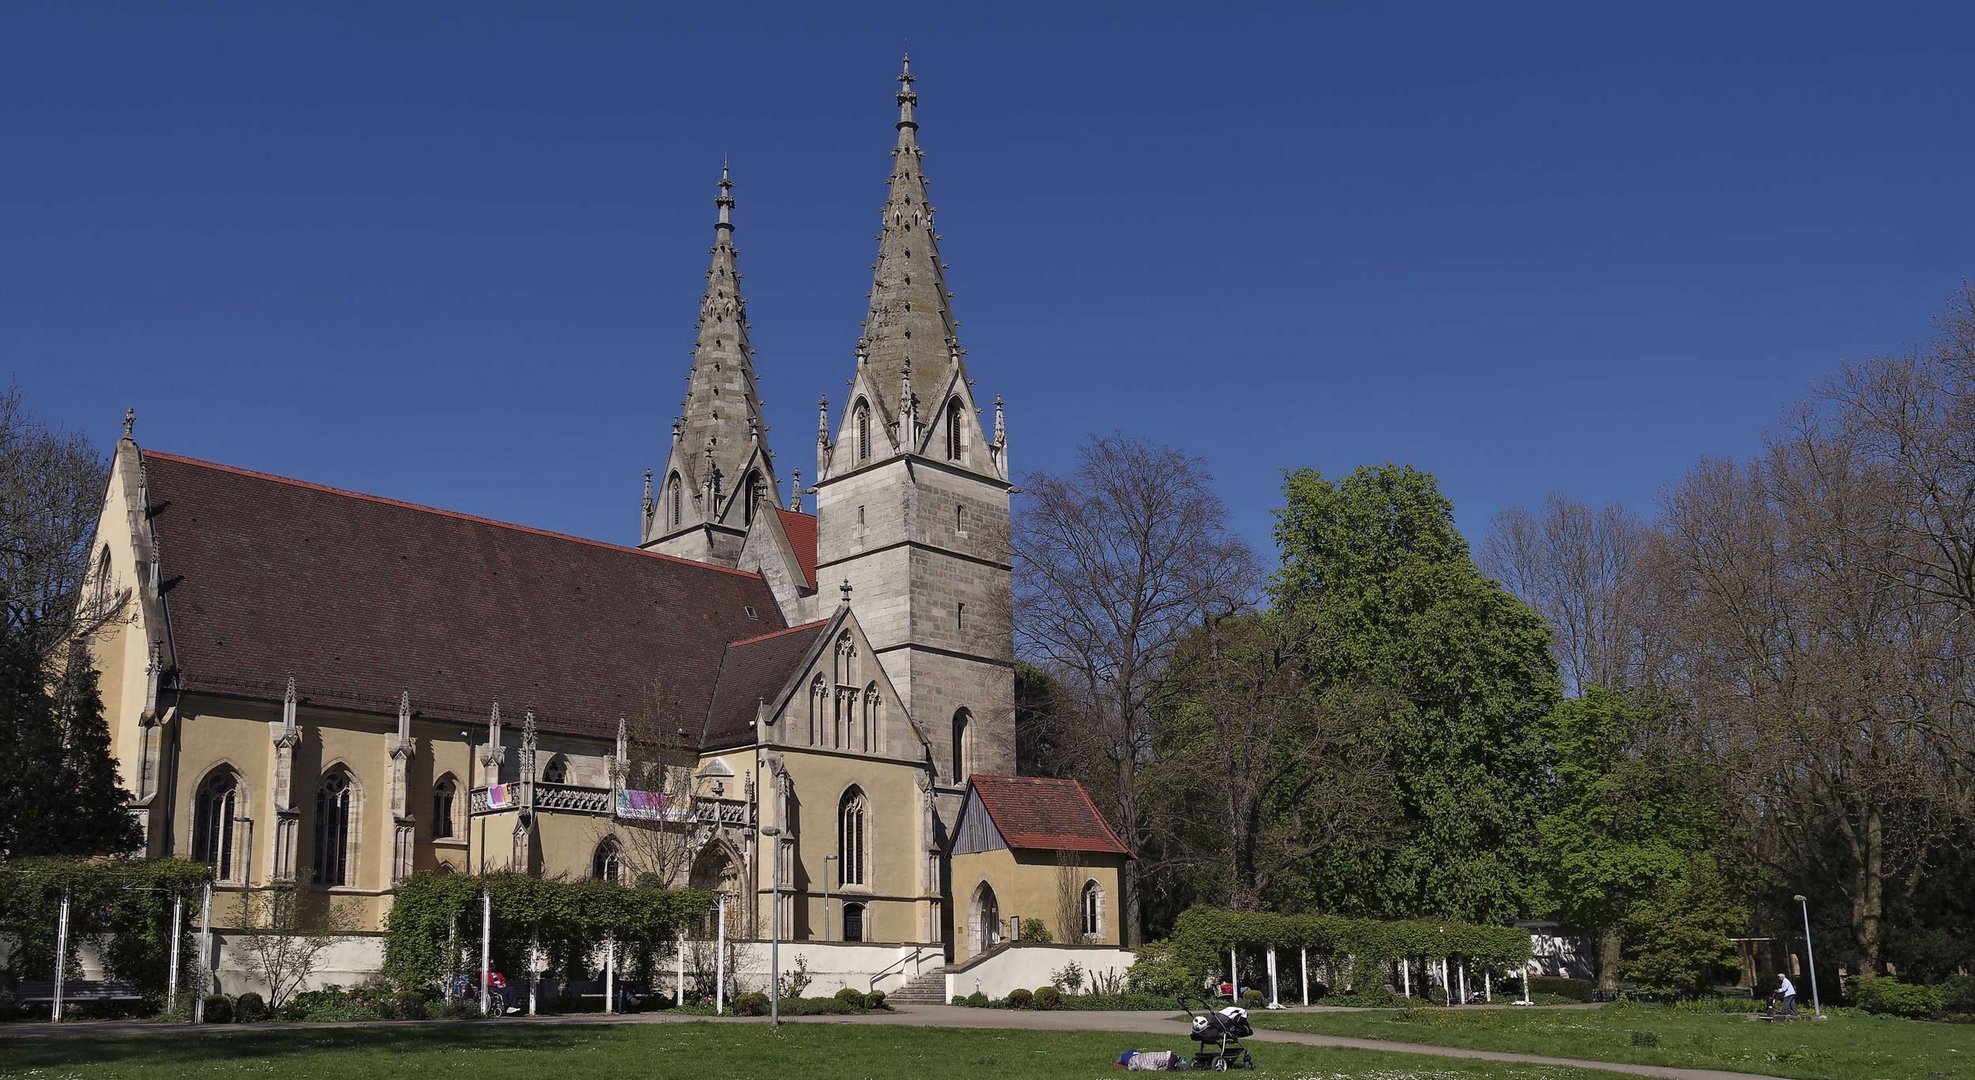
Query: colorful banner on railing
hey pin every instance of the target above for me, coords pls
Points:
(636, 805)
(499, 797)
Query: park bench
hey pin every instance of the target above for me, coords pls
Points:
(77, 991)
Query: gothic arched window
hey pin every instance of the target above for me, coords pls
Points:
(605, 864)
(963, 757)
(850, 838)
(1093, 909)
(556, 771)
(335, 811)
(445, 797)
(212, 822)
(955, 448)
(861, 419)
(675, 500)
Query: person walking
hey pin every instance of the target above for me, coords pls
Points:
(1789, 991)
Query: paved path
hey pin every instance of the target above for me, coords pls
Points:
(938, 1016)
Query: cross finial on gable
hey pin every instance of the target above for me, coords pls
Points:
(845, 587)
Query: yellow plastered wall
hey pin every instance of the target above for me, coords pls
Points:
(898, 906)
(1029, 884)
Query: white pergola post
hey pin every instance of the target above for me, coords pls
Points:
(679, 979)
(205, 986)
(486, 946)
(1406, 976)
(1488, 986)
(61, 958)
(610, 973)
(1304, 955)
(1464, 980)
(1234, 977)
(1447, 979)
(1274, 1001)
(177, 930)
(534, 967)
(720, 959)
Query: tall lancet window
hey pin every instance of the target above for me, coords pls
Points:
(861, 418)
(334, 809)
(955, 449)
(674, 500)
(212, 822)
(850, 838)
(963, 737)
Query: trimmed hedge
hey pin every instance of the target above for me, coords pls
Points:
(1019, 998)
(1202, 936)
(1048, 998)
(1574, 989)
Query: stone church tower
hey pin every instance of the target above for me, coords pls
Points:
(912, 494)
(719, 475)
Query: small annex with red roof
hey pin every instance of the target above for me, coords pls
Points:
(1034, 848)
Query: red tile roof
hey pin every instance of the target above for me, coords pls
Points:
(801, 528)
(359, 597)
(751, 672)
(1043, 813)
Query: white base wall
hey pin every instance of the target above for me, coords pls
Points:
(1029, 966)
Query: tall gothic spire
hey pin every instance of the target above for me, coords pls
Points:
(722, 408)
(910, 319)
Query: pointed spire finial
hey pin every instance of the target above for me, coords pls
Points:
(404, 714)
(906, 98)
(795, 491)
(129, 422)
(725, 201)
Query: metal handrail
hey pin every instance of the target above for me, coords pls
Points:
(918, 951)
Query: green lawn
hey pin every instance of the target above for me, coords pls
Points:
(595, 1052)
(1849, 1046)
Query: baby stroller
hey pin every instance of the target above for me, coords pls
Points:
(1219, 1033)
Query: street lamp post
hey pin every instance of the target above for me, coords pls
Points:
(1810, 957)
(827, 860)
(775, 928)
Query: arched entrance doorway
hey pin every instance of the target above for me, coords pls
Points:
(716, 869)
(984, 919)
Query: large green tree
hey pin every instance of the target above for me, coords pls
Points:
(1376, 567)
(1623, 819)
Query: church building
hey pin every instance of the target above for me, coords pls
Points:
(337, 690)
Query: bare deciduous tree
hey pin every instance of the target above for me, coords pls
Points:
(51, 491)
(1116, 564)
(286, 937)
(1580, 569)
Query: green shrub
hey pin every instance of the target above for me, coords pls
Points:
(462, 1009)
(1048, 998)
(1120, 1002)
(407, 1005)
(1957, 994)
(1036, 932)
(959, 999)
(977, 1000)
(752, 1003)
(1891, 997)
(249, 1008)
(1378, 997)
(1019, 998)
(875, 999)
(1253, 999)
(1574, 989)
(1156, 970)
(853, 998)
(219, 1009)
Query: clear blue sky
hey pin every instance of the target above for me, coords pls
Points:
(451, 253)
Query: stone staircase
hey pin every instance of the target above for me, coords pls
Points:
(926, 988)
